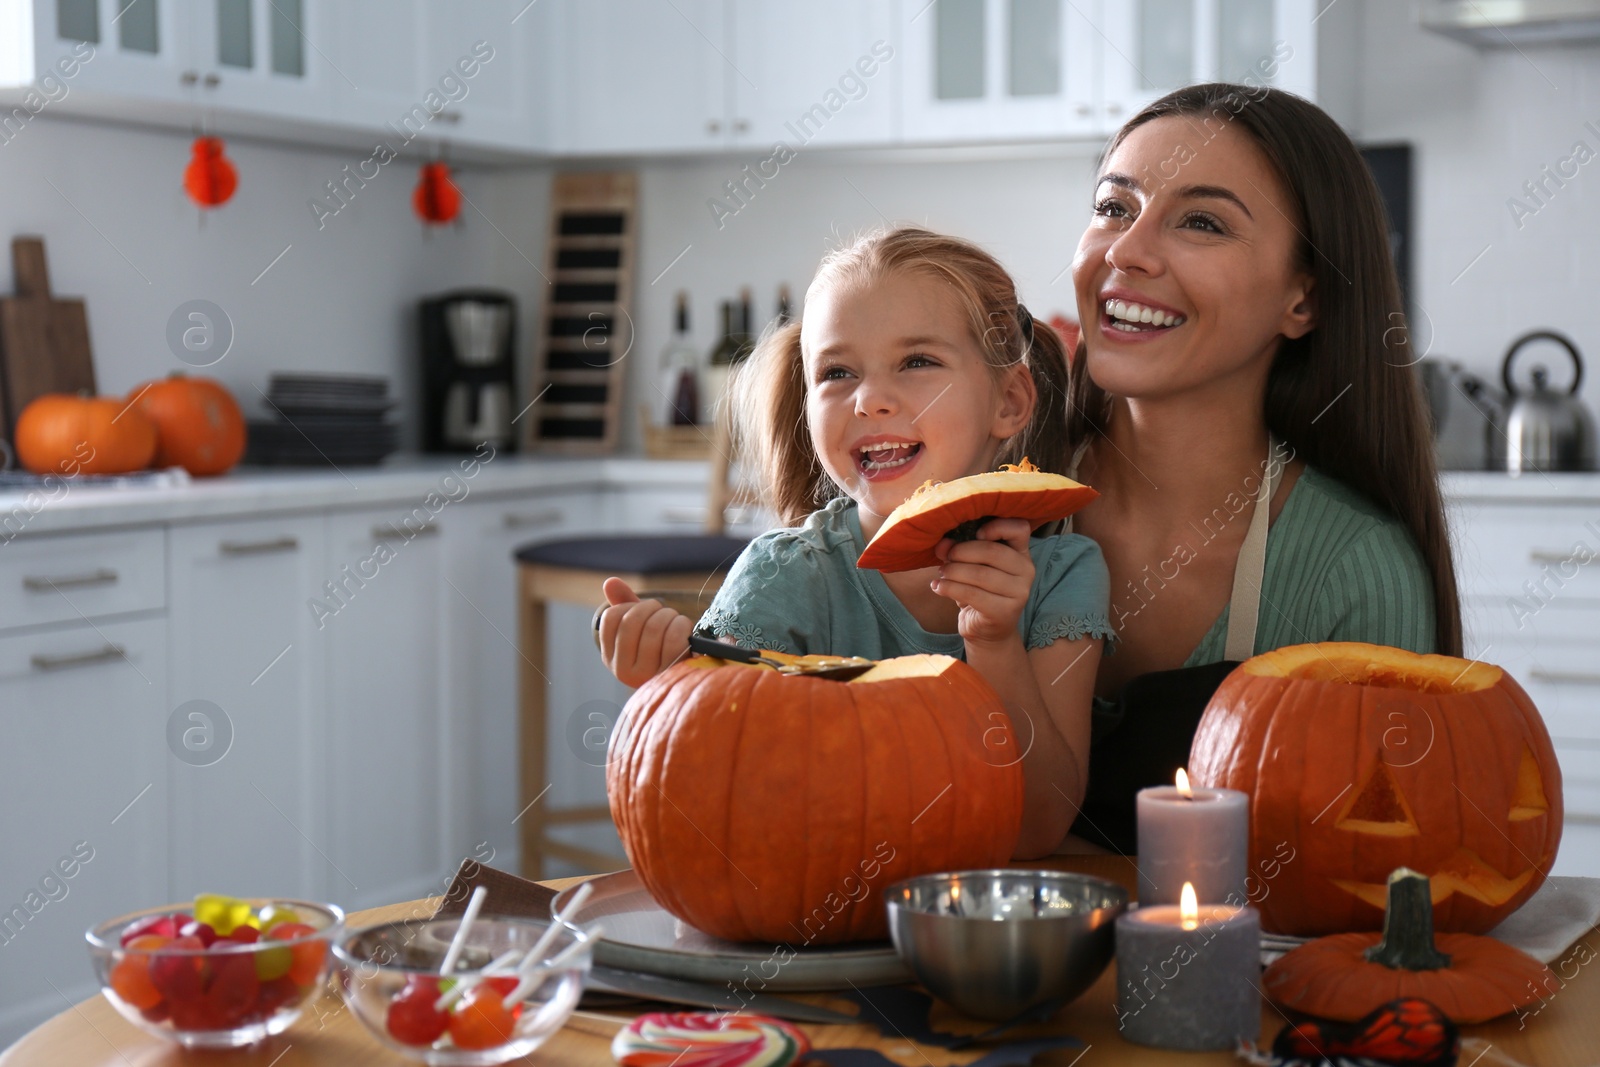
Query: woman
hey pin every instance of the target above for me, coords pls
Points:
(1243, 340)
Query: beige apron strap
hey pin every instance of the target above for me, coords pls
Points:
(1244, 608)
(1072, 472)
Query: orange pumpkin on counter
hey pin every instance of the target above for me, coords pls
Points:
(1363, 759)
(199, 425)
(757, 805)
(936, 510)
(59, 433)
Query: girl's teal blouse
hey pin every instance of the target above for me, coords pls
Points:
(798, 590)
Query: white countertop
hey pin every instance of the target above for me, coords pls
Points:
(409, 478)
(277, 490)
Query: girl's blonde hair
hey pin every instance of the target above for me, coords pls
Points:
(768, 392)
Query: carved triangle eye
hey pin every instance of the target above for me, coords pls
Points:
(1529, 801)
(1379, 808)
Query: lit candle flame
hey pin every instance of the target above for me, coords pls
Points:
(1183, 784)
(1189, 907)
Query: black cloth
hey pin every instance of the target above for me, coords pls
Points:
(1141, 741)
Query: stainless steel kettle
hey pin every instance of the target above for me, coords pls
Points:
(1543, 430)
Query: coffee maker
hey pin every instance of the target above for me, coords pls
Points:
(468, 370)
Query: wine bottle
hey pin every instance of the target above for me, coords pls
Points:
(784, 314)
(747, 340)
(679, 372)
(721, 362)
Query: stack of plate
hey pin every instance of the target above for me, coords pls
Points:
(324, 418)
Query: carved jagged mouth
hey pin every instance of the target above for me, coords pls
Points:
(1465, 873)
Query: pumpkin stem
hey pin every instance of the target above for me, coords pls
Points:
(1408, 926)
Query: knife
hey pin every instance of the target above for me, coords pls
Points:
(603, 979)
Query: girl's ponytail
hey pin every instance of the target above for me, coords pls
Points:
(767, 402)
(1044, 441)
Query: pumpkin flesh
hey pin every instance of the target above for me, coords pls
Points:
(936, 510)
(1364, 759)
(759, 806)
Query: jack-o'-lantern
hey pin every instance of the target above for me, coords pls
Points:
(1362, 759)
(956, 509)
(764, 803)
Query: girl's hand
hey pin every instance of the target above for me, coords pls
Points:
(640, 638)
(989, 578)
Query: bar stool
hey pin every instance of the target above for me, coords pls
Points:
(683, 570)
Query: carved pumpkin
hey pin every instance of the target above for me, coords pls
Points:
(1469, 977)
(1364, 759)
(63, 434)
(757, 805)
(956, 509)
(198, 423)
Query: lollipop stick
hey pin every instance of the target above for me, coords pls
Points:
(467, 981)
(531, 978)
(457, 943)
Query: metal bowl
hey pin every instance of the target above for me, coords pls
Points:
(994, 943)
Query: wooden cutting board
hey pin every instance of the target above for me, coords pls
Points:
(44, 341)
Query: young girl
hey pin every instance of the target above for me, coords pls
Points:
(914, 361)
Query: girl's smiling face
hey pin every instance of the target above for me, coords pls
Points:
(898, 391)
(1187, 275)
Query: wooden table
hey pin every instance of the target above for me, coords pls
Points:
(1564, 1033)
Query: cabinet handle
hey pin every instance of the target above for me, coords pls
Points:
(741, 125)
(714, 126)
(188, 77)
(1569, 677)
(82, 659)
(1084, 110)
(212, 80)
(256, 548)
(1540, 555)
(449, 116)
(531, 519)
(388, 531)
(1113, 109)
(103, 576)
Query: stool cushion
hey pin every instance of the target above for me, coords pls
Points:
(667, 554)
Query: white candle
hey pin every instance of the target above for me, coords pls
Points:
(1192, 835)
(1188, 975)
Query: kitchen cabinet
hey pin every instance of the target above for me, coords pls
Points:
(1531, 604)
(141, 48)
(389, 726)
(83, 709)
(1155, 46)
(480, 613)
(254, 819)
(978, 70)
(645, 76)
(822, 74)
(271, 57)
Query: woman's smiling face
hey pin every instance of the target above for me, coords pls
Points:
(897, 389)
(1187, 274)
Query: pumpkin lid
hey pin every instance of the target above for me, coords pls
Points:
(1358, 663)
(936, 510)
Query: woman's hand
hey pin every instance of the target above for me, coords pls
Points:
(988, 578)
(640, 638)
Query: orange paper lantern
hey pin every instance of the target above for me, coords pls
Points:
(210, 177)
(436, 200)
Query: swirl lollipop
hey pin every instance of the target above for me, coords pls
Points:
(708, 1039)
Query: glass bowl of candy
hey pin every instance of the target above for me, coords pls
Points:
(218, 973)
(514, 983)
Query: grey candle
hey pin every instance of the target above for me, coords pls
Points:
(1200, 836)
(1190, 985)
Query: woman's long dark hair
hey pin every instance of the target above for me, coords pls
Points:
(1380, 445)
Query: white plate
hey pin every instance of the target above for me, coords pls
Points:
(641, 935)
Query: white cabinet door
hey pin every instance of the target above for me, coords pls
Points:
(482, 59)
(999, 69)
(641, 76)
(380, 60)
(83, 713)
(480, 613)
(1155, 46)
(270, 57)
(824, 74)
(141, 47)
(389, 735)
(249, 815)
